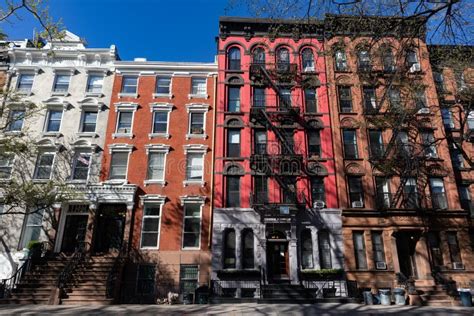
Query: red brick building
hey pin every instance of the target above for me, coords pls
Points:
(159, 138)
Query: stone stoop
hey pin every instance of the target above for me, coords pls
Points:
(294, 294)
(436, 295)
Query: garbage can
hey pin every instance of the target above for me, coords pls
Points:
(466, 297)
(368, 298)
(188, 298)
(202, 295)
(385, 297)
(399, 296)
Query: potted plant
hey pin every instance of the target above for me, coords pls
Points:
(322, 274)
(413, 296)
(34, 250)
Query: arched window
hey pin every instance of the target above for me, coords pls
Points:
(324, 250)
(234, 58)
(412, 61)
(340, 60)
(229, 249)
(387, 60)
(363, 60)
(248, 261)
(283, 59)
(307, 59)
(258, 56)
(306, 250)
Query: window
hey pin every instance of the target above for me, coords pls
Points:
(15, 120)
(95, 83)
(314, 143)
(410, 193)
(259, 97)
(317, 189)
(233, 99)
(283, 59)
(429, 144)
(340, 59)
(383, 196)
(196, 125)
(2, 208)
(439, 81)
(460, 80)
(306, 250)
(233, 191)
(163, 85)
(307, 58)
(160, 122)
(145, 280)
(25, 83)
(258, 56)
(363, 60)
(376, 144)
(229, 249)
(412, 61)
(129, 84)
(61, 84)
(194, 167)
(370, 99)
(53, 122)
(359, 250)
(199, 86)
(403, 143)
(33, 227)
(447, 119)
(284, 99)
(356, 191)
(465, 197)
(6, 164)
(435, 249)
(345, 99)
(457, 158)
(80, 170)
(188, 278)
(350, 144)
(156, 166)
(118, 166)
(260, 142)
(378, 249)
(124, 124)
(44, 166)
(260, 189)
(233, 143)
(234, 58)
(151, 226)
(311, 100)
(454, 250)
(89, 120)
(470, 120)
(438, 195)
(394, 97)
(387, 60)
(324, 250)
(420, 99)
(192, 225)
(248, 261)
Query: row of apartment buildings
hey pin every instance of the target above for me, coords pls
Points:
(267, 166)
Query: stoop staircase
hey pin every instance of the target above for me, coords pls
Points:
(437, 295)
(286, 293)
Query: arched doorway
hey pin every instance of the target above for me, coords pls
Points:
(277, 256)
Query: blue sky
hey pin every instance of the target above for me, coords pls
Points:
(165, 30)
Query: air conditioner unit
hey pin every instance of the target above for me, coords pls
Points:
(123, 130)
(319, 204)
(381, 265)
(197, 130)
(424, 111)
(357, 204)
(431, 155)
(415, 67)
(309, 69)
(458, 266)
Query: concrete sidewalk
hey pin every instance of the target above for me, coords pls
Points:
(233, 310)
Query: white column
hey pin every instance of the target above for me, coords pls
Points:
(293, 254)
(315, 244)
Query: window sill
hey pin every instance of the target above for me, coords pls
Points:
(24, 93)
(128, 95)
(150, 182)
(163, 95)
(189, 248)
(122, 135)
(159, 135)
(198, 136)
(149, 248)
(51, 134)
(94, 94)
(193, 182)
(313, 114)
(233, 113)
(198, 96)
(6, 180)
(13, 133)
(40, 180)
(116, 182)
(88, 134)
(348, 113)
(76, 181)
(61, 94)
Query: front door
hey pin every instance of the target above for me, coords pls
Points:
(74, 232)
(277, 260)
(109, 228)
(406, 246)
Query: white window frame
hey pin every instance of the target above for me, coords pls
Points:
(119, 148)
(192, 200)
(25, 225)
(57, 73)
(10, 119)
(95, 74)
(152, 200)
(164, 95)
(160, 107)
(197, 108)
(157, 148)
(17, 86)
(10, 165)
(120, 108)
(54, 104)
(83, 117)
(129, 94)
(201, 96)
(46, 151)
(89, 105)
(74, 164)
(195, 149)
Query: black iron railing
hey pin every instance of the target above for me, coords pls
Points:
(115, 274)
(8, 285)
(78, 258)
